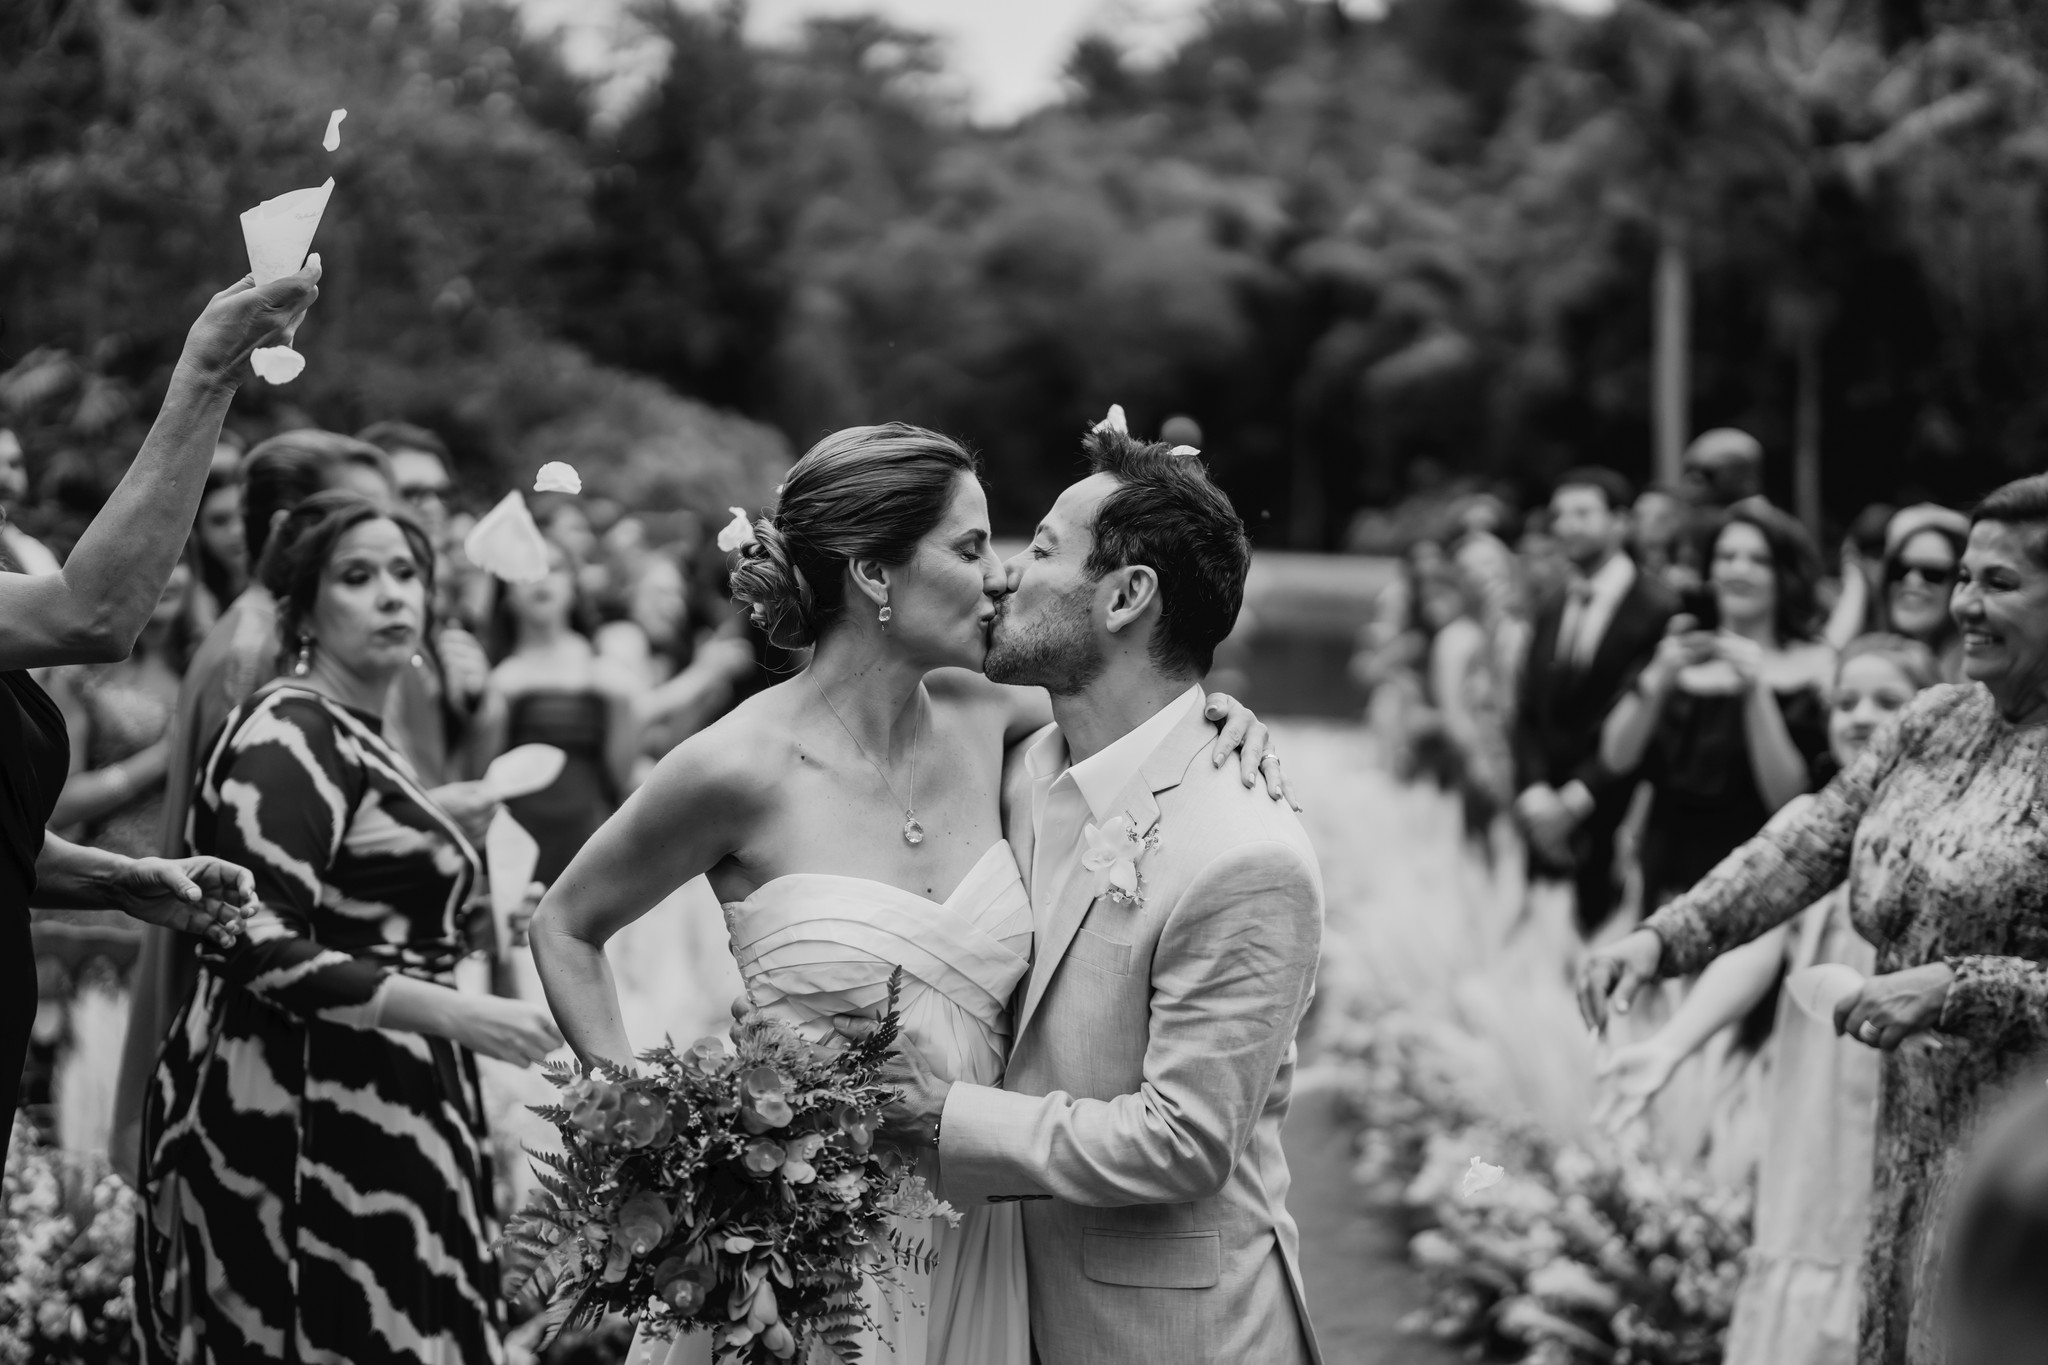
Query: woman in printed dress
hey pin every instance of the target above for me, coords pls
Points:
(1940, 833)
(316, 1185)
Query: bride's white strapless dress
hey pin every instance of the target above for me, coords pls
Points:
(812, 945)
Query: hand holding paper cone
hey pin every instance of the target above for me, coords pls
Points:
(507, 543)
(244, 316)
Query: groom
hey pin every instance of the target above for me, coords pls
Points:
(1178, 920)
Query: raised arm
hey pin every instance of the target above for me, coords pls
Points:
(1802, 854)
(1232, 976)
(96, 607)
(685, 819)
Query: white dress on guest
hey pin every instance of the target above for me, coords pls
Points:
(814, 945)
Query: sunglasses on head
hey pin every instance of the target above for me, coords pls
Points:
(1933, 575)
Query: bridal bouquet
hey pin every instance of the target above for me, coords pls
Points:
(736, 1190)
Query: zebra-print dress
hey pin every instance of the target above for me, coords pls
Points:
(316, 1188)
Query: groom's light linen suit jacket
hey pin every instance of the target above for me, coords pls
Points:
(1151, 1066)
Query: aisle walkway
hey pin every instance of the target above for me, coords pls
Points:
(1353, 1257)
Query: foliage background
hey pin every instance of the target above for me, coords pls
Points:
(1368, 255)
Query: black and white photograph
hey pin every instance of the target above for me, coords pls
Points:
(1024, 682)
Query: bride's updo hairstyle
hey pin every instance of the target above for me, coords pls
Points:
(862, 493)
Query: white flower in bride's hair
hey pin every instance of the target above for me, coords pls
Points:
(1114, 422)
(738, 533)
(1184, 452)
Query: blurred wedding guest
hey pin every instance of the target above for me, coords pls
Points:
(219, 545)
(419, 473)
(1586, 651)
(1728, 720)
(1461, 736)
(548, 688)
(1997, 1252)
(30, 555)
(119, 718)
(1854, 611)
(1722, 467)
(339, 1193)
(1661, 522)
(91, 611)
(1496, 578)
(1923, 551)
(1936, 830)
(1800, 1285)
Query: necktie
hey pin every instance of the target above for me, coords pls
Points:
(1578, 603)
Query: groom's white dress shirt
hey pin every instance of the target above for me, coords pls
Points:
(1065, 798)
(1138, 1118)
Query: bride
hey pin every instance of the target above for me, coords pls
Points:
(849, 819)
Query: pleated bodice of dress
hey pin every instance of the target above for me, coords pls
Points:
(813, 945)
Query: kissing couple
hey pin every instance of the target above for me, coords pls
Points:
(1005, 779)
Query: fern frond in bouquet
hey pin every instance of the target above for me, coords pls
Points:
(737, 1189)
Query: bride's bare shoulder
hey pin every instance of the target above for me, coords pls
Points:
(743, 754)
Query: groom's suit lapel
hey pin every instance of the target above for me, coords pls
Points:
(1163, 770)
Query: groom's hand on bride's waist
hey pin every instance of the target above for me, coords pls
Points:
(921, 1092)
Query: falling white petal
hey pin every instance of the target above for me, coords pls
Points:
(332, 142)
(505, 542)
(557, 477)
(1114, 421)
(1480, 1176)
(278, 364)
(280, 231)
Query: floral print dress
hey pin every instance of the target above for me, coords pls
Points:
(1938, 833)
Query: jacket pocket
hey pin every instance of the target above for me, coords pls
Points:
(1158, 1260)
(1105, 954)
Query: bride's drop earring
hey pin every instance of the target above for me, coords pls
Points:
(884, 614)
(303, 664)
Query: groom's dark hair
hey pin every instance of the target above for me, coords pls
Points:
(1167, 515)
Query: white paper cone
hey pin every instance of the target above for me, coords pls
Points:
(557, 477)
(279, 231)
(505, 542)
(1818, 989)
(332, 142)
(523, 771)
(510, 856)
(278, 364)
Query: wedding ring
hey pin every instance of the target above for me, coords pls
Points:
(1868, 1033)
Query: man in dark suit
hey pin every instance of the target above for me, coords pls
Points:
(1588, 648)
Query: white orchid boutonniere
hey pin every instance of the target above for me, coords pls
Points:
(1115, 847)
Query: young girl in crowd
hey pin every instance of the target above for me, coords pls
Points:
(1798, 1304)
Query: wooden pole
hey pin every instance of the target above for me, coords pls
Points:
(1671, 399)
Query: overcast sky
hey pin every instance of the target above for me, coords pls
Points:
(1005, 55)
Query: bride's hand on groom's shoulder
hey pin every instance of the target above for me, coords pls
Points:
(920, 1091)
(1244, 734)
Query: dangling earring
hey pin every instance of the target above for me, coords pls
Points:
(303, 664)
(884, 614)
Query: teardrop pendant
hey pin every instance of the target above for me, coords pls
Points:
(913, 832)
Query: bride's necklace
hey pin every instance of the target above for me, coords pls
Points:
(913, 832)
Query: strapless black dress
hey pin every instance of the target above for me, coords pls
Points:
(563, 815)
